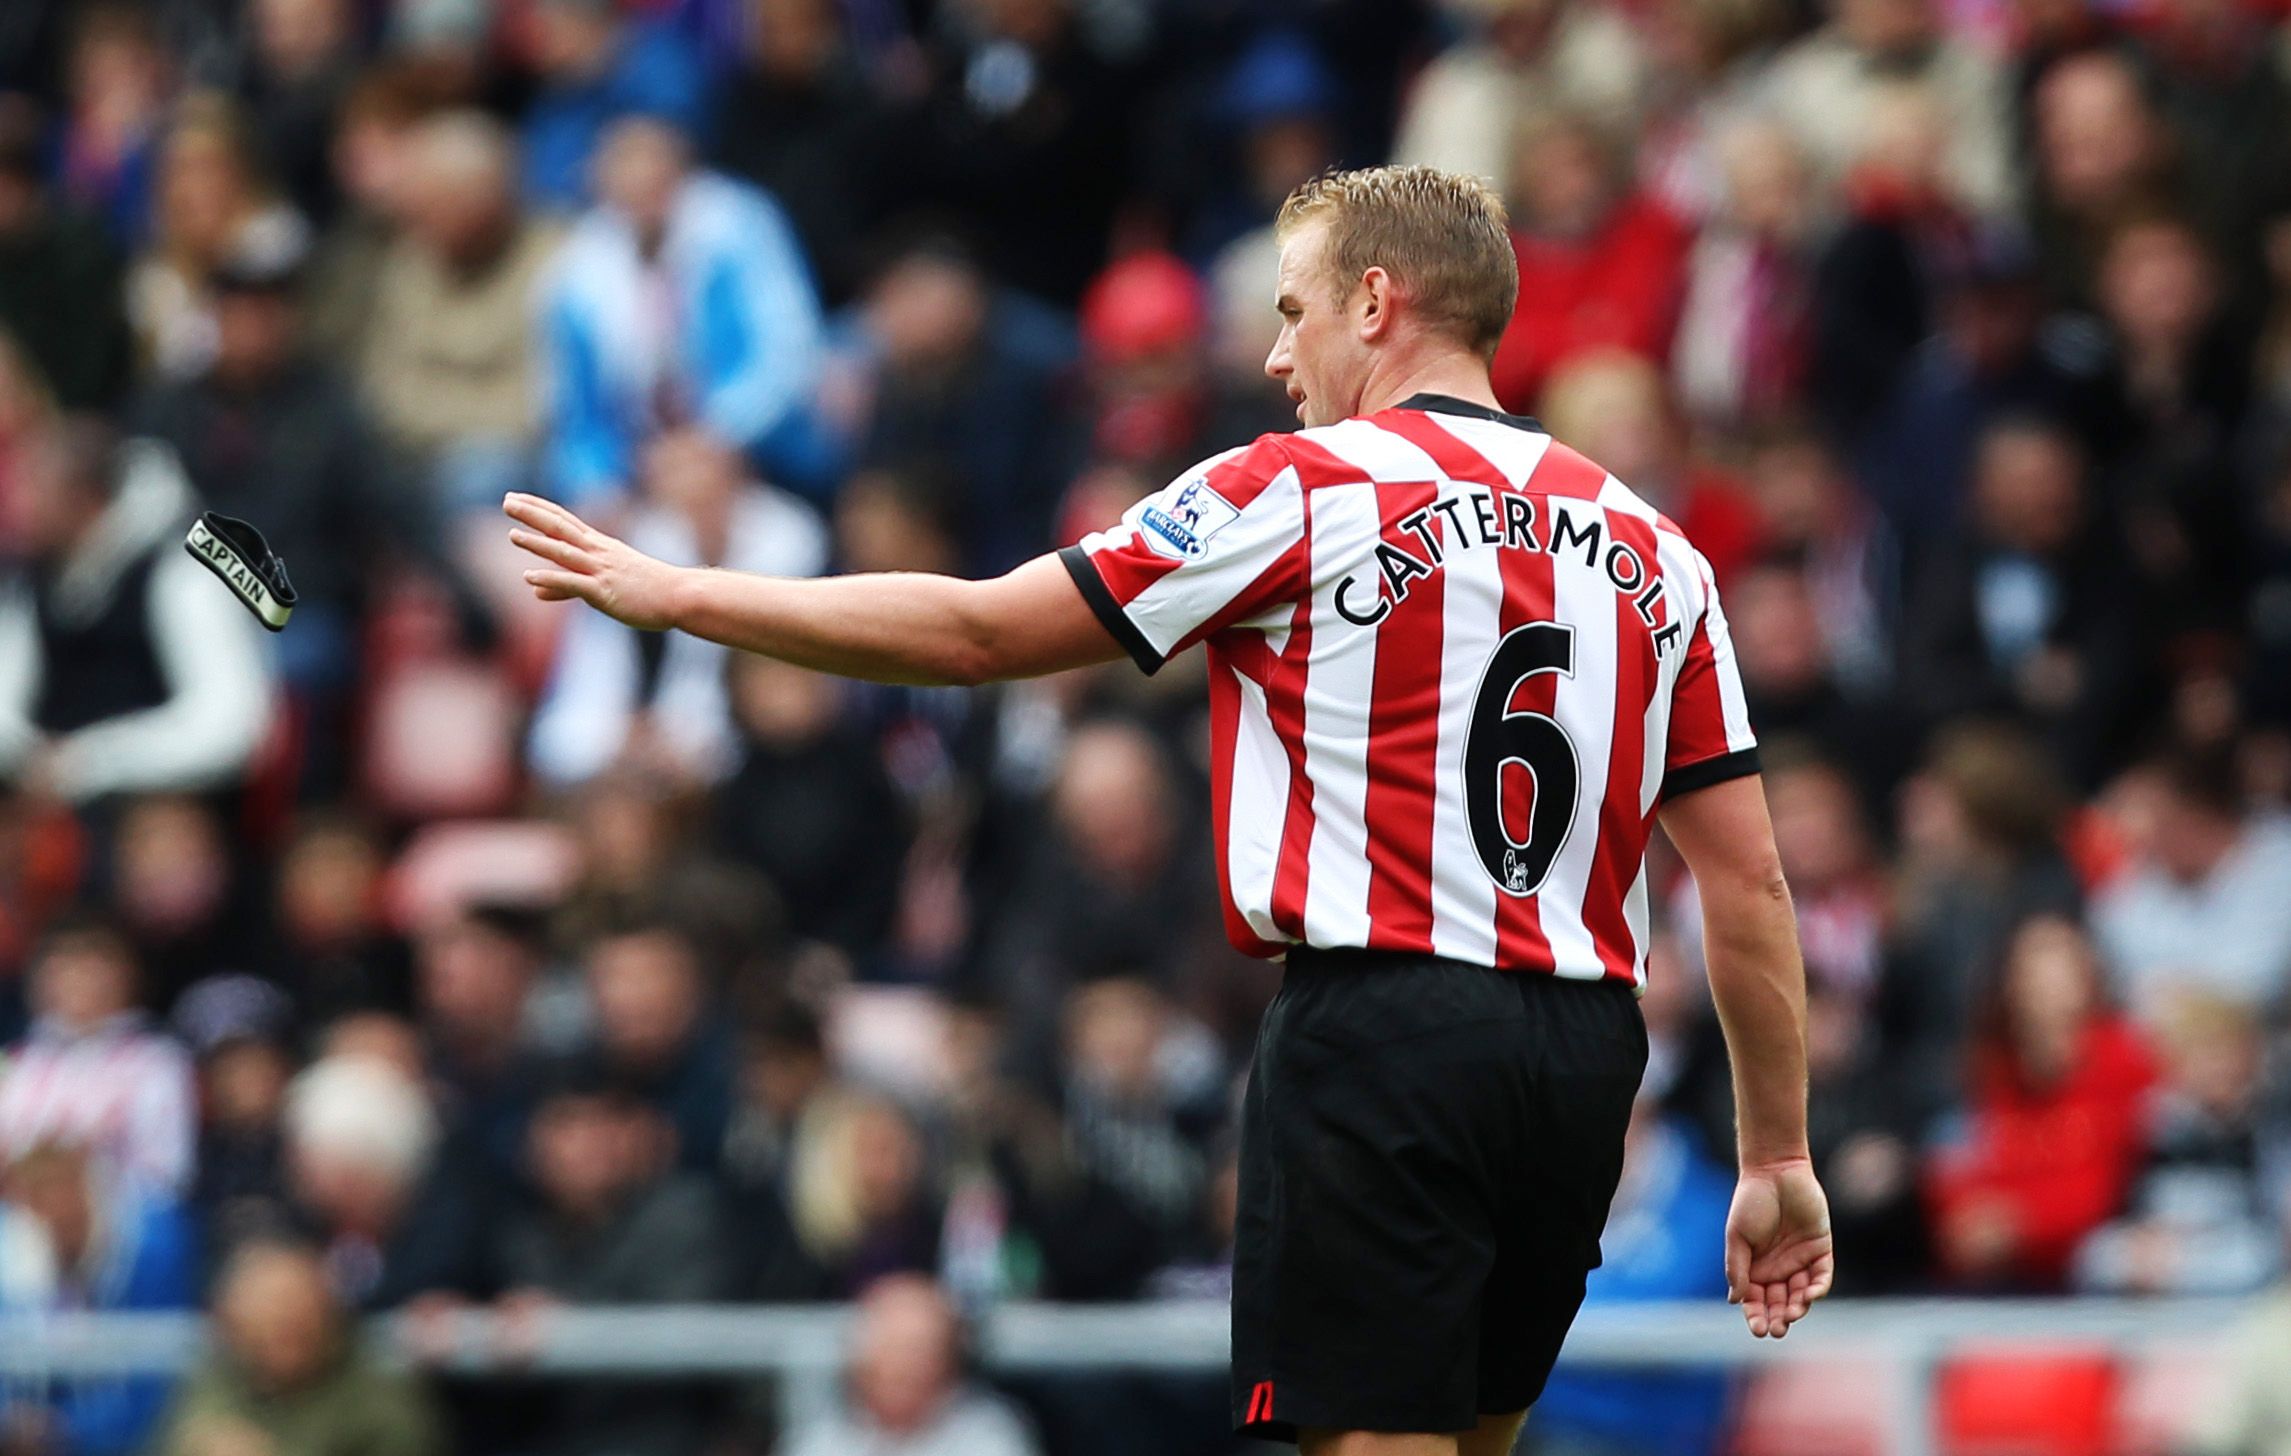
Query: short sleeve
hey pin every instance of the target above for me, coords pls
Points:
(1221, 544)
(1710, 737)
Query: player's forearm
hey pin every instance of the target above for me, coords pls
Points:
(890, 627)
(1759, 985)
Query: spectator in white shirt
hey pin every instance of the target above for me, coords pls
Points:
(907, 1394)
(123, 667)
(94, 1073)
(2206, 906)
(1831, 89)
(617, 694)
(1514, 56)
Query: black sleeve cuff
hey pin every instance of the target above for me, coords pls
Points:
(1109, 612)
(1739, 764)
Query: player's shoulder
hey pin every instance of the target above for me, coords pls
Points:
(1308, 459)
(1378, 446)
(1566, 471)
(1213, 493)
(1678, 557)
(1241, 473)
(1616, 496)
(1347, 452)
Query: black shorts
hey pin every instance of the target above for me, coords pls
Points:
(1428, 1149)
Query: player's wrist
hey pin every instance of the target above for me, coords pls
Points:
(1773, 1160)
(682, 596)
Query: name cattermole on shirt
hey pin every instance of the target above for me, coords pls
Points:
(1508, 522)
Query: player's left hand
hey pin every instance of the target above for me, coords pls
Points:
(1778, 1254)
(582, 563)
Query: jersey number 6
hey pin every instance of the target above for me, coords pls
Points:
(1500, 736)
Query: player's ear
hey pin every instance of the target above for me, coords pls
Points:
(1372, 304)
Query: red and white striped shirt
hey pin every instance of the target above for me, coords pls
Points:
(119, 1089)
(1453, 668)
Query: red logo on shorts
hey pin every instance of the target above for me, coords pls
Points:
(1260, 1403)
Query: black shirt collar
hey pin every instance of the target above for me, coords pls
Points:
(1448, 404)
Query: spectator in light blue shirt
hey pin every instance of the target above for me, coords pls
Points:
(75, 1238)
(1665, 1239)
(681, 302)
(595, 68)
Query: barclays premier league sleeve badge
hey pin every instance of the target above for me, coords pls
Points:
(1180, 525)
(244, 562)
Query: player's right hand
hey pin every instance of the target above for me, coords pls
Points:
(1778, 1254)
(580, 562)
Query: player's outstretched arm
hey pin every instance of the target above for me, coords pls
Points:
(896, 627)
(1778, 1255)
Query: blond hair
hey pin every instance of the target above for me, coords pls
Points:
(1442, 236)
(826, 1202)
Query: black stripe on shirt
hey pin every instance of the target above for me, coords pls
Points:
(1685, 779)
(1101, 599)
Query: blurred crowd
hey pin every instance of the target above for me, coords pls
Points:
(452, 950)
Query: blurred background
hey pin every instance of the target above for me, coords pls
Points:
(397, 998)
